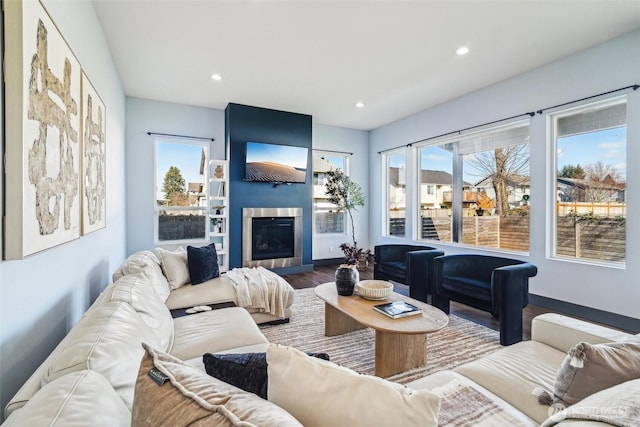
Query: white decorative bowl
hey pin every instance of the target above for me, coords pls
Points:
(374, 289)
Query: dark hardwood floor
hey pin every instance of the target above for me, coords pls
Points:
(325, 273)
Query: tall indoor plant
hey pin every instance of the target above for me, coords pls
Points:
(347, 195)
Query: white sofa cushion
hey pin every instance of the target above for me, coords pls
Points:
(146, 263)
(107, 340)
(78, 399)
(214, 291)
(562, 332)
(321, 393)
(514, 372)
(476, 404)
(174, 266)
(214, 331)
(170, 392)
(135, 290)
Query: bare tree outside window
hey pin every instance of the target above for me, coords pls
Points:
(504, 167)
(482, 188)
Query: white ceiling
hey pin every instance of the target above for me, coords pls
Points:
(321, 57)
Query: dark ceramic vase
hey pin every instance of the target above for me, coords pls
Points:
(346, 278)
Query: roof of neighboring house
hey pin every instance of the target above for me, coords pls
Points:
(320, 164)
(435, 177)
(606, 184)
(514, 181)
(194, 187)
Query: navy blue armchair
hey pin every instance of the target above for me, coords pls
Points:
(407, 264)
(494, 284)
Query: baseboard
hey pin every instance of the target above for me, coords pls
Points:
(618, 321)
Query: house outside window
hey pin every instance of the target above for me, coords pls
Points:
(396, 190)
(326, 217)
(435, 192)
(481, 182)
(181, 192)
(589, 182)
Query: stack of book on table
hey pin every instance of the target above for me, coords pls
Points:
(397, 309)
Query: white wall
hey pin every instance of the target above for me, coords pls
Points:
(603, 68)
(334, 138)
(144, 116)
(43, 296)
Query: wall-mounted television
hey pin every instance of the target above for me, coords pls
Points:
(275, 163)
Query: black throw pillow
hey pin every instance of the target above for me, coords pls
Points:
(247, 371)
(203, 263)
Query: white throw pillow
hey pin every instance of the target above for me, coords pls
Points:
(321, 393)
(175, 266)
(170, 392)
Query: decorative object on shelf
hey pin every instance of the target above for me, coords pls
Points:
(218, 172)
(346, 278)
(374, 289)
(217, 223)
(347, 195)
(219, 214)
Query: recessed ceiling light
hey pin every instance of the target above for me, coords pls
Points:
(462, 50)
(216, 77)
(360, 104)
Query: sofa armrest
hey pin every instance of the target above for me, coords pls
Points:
(28, 389)
(420, 272)
(562, 332)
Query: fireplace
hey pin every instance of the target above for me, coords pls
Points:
(271, 237)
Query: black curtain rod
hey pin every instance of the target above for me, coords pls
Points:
(333, 151)
(634, 87)
(530, 114)
(179, 136)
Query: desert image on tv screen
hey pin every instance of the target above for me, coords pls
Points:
(275, 163)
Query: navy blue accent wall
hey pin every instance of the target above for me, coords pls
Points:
(245, 123)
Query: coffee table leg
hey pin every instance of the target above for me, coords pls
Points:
(397, 353)
(338, 323)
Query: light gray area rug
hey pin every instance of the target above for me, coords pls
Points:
(459, 342)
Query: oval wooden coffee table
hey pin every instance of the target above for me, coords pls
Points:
(401, 344)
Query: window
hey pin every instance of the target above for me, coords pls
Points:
(181, 196)
(481, 188)
(396, 190)
(589, 182)
(327, 219)
(435, 192)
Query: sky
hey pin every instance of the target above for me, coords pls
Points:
(608, 146)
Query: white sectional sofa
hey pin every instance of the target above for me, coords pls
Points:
(92, 375)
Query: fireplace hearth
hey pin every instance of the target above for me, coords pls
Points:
(271, 237)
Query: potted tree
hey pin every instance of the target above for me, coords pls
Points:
(347, 195)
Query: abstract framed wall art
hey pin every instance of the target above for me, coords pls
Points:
(93, 116)
(42, 133)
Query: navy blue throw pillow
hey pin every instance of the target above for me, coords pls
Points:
(203, 263)
(247, 371)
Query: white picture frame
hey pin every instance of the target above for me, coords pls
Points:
(42, 122)
(94, 183)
